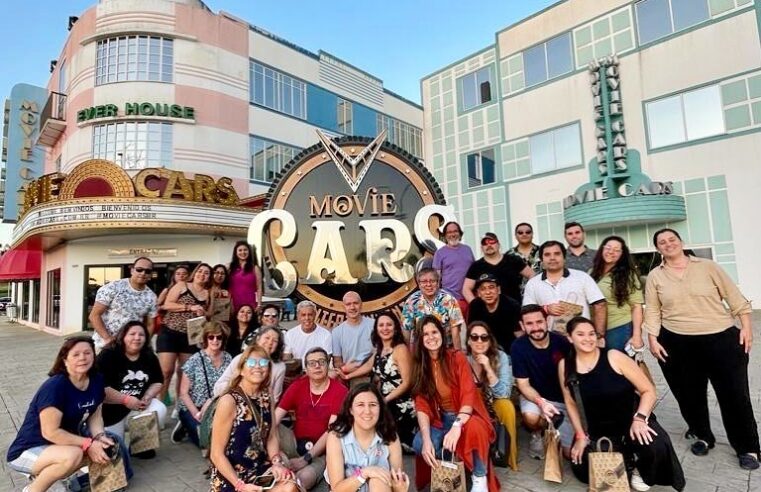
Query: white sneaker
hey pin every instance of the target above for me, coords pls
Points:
(480, 484)
(536, 446)
(176, 412)
(637, 483)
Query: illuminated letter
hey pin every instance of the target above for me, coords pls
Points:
(333, 261)
(256, 231)
(177, 178)
(226, 194)
(205, 189)
(140, 186)
(381, 254)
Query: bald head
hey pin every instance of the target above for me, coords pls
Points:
(352, 307)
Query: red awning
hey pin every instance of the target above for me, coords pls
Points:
(20, 264)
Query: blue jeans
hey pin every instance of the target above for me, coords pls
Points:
(191, 425)
(437, 438)
(616, 337)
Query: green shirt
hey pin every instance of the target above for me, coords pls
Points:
(619, 315)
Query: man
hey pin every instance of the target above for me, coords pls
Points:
(351, 339)
(525, 247)
(579, 256)
(558, 283)
(306, 335)
(316, 401)
(501, 313)
(122, 301)
(430, 299)
(509, 270)
(535, 360)
(453, 261)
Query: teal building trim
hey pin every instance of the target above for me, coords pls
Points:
(632, 210)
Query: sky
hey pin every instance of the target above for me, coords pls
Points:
(398, 41)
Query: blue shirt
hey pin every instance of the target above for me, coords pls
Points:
(58, 391)
(504, 385)
(540, 366)
(355, 457)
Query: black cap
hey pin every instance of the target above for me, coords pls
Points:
(486, 277)
(489, 235)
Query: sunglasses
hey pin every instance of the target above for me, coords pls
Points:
(252, 362)
(269, 315)
(214, 337)
(144, 270)
(488, 242)
(475, 337)
(317, 363)
(523, 233)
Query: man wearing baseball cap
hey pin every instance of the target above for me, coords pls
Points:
(509, 270)
(501, 313)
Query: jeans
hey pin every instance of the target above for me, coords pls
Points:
(616, 337)
(123, 449)
(437, 438)
(191, 425)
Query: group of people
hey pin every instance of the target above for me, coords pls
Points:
(564, 325)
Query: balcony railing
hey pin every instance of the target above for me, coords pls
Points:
(53, 119)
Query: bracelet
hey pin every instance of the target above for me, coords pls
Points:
(539, 401)
(239, 484)
(469, 414)
(86, 444)
(581, 435)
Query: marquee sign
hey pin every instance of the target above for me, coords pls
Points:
(348, 214)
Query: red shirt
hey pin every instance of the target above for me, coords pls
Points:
(313, 412)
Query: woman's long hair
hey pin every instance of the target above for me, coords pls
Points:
(118, 343)
(624, 276)
(192, 277)
(227, 275)
(250, 261)
(277, 355)
(59, 365)
(492, 352)
(398, 337)
(234, 324)
(264, 387)
(385, 428)
(424, 382)
(571, 374)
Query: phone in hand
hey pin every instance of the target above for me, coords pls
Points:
(266, 482)
(557, 420)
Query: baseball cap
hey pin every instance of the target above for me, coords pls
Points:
(485, 277)
(489, 235)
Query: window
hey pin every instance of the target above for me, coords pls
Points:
(659, 18)
(481, 169)
(62, 77)
(344, 120)
(133, 145)
(53, 306)
(268, 158)
(475, 88)
(741, 100)
(278, 91)
(685, 117)
(134, 58)
(548, 60)
(406, 136)
(36, 301)
(555, 149)
(605, 36)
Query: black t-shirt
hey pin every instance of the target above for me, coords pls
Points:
(127, 377)
(504, 321)
(507, 271)
(540, 366)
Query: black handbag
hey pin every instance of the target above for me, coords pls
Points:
(500, 448)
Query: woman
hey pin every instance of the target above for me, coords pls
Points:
(450, 411)
(180, 275)
(219, 307)
(133, 379)
(612, 388)
(695, 340)
(392, 368)
(242, 441)
(199, 374)
(616, 274)
(245, 276)
(494, 375)
(241, 328)
(271, 340)
(49, 445)
(363, 450)
(184, 301)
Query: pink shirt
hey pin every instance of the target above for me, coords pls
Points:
(243, 288)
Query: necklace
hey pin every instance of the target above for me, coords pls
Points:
(311, 400)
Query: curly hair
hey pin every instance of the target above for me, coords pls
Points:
(624, 276)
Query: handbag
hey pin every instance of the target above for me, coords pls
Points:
(449, 476)
(553, 461)
(107, 477)
(500, 448)
(607, 471)
(144, 432)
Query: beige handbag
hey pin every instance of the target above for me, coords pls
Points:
(607, 472)
(449, 476)
(553, 461)
(108, 477)
(570, 310)
(144, 432)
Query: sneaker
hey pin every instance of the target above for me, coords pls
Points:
(175, 413)
(479, 484)
(178, 433)
(536, 446)
(701, 447)
(637, 483)
(749, 461)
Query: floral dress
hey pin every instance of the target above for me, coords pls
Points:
(403, 409)
(246, 449)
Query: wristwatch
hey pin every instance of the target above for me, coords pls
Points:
(457, 422)
(308, 458)
(358, 475)
(641, 416)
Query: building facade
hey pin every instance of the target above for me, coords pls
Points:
(626, 116)
(168, 119)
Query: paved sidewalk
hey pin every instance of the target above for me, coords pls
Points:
(26, 355)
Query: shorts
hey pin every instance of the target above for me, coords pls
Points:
(173, 341)
(566, 428)
(25, 462)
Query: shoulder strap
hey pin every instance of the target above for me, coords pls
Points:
(205, 375)
(574, 383)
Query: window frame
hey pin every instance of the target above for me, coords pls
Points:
(648, 105)
(271, 149)
(479, 167)
(110, 140)
(287, 94)
(132, 58)
(544, 45)
(463, 80)
(671, 20)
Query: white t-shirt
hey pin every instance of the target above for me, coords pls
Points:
(574, 286)
(299, 343)
(124, 304)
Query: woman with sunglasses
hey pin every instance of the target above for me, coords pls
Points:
(220, 303)
(494, 376)
(49, 445)
(241, 328)
(244, 445)
(615, 272)
(450, 411)
(199, 374)
(245, 279)
(363, 448)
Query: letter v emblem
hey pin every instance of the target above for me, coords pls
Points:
(353, 169)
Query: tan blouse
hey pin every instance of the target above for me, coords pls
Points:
(693, 304)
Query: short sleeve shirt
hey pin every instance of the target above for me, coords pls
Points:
(128, 377)
(444, 307)
(619, 315)
(124, 304)
(574, 286)
(352, 343)
(194, 368)
(507, 271)
(582, 262)
(313, 412)
(503, 322)
(540, 366)
(75, 405)
(299, 343)
(453, 263)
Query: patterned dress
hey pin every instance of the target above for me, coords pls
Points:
(246, 449)
(403, 409)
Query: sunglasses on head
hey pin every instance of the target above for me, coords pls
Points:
(252, 362)
(474, 337)
(214, 337)
(143, 270)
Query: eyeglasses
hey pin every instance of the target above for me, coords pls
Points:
(269, 315)
(314, 364)
(428, 281)
(523, 233)
(252, 362)
(219, 273)
(214, 337)
(610, 249)
(474, 337)
(144, 270)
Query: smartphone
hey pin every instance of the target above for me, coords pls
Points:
(266, 482)
(557, 420)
